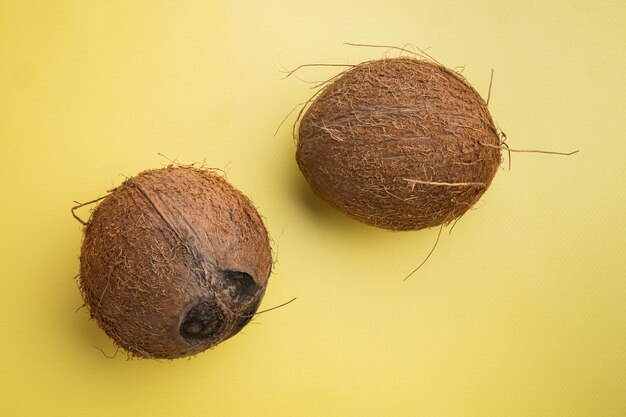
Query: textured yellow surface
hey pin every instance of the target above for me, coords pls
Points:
(520, 311)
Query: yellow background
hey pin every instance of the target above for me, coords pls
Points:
(521, 311)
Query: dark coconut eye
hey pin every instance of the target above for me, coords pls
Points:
(238, 287)
(203, 321)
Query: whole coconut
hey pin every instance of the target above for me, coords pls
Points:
(173, 262)
(402, 144)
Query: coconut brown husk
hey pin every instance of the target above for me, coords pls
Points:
(173, 262)
(402, 144)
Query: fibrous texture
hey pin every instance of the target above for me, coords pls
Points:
(402, 144)
(173, 262)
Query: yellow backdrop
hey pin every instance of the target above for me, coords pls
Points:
(520, 311)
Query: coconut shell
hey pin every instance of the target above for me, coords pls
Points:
(402, 144)
(173, 262)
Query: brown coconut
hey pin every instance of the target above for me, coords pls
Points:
(402, 144)
(173, 262)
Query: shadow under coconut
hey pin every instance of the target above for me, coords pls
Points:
(79, 337)
(79, 329)
(297, 190)
(427, 244)
(358, 238)
(324, 215)
(334, 229)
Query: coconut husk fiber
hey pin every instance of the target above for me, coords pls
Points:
(400, 143)
(173, 262)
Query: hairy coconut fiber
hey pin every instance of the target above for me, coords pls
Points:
(173, 262)
(402, 144)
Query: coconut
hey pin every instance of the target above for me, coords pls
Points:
(173, 262)
(401, 143)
